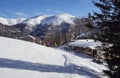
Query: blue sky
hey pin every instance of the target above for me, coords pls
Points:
(29, 8)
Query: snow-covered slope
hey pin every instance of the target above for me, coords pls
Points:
(35, 20)
(50, 20)
(11, 21)
(34, 24)
(20, 59)
(40, 19)
(31, 23)
(58, 19)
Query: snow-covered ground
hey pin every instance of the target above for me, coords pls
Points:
(21, 59)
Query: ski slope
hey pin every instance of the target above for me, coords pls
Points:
(21, 59)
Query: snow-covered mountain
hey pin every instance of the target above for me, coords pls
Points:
(33, 21)
(20, 59)
(58, 19)
(29, 25)
(11, 21)
(40, 19)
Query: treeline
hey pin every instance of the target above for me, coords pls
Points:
(51, 35)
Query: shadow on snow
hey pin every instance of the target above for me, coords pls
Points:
(24, 65)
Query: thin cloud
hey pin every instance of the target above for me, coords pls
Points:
(16, 14)
(37, 12)
(55, 11)
(55, 2)
(59, 11)
(3, 15)
(10, 11)
(49, 9)
(20, 14)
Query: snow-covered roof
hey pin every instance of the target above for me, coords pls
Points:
(86, 43)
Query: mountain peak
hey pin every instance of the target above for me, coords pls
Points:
(40, 19)
(65, 14)
(58, 19)
(35, 20)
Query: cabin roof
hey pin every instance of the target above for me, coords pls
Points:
(90, 43)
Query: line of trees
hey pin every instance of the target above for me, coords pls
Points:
(59, 35)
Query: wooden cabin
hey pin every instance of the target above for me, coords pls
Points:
(91, 47)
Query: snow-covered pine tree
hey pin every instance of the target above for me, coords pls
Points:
(109, 22)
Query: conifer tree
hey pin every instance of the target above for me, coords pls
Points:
(108, 21)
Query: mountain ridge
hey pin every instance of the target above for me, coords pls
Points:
(11, 21)
(40, 19)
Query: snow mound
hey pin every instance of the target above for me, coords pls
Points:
(21, 59)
